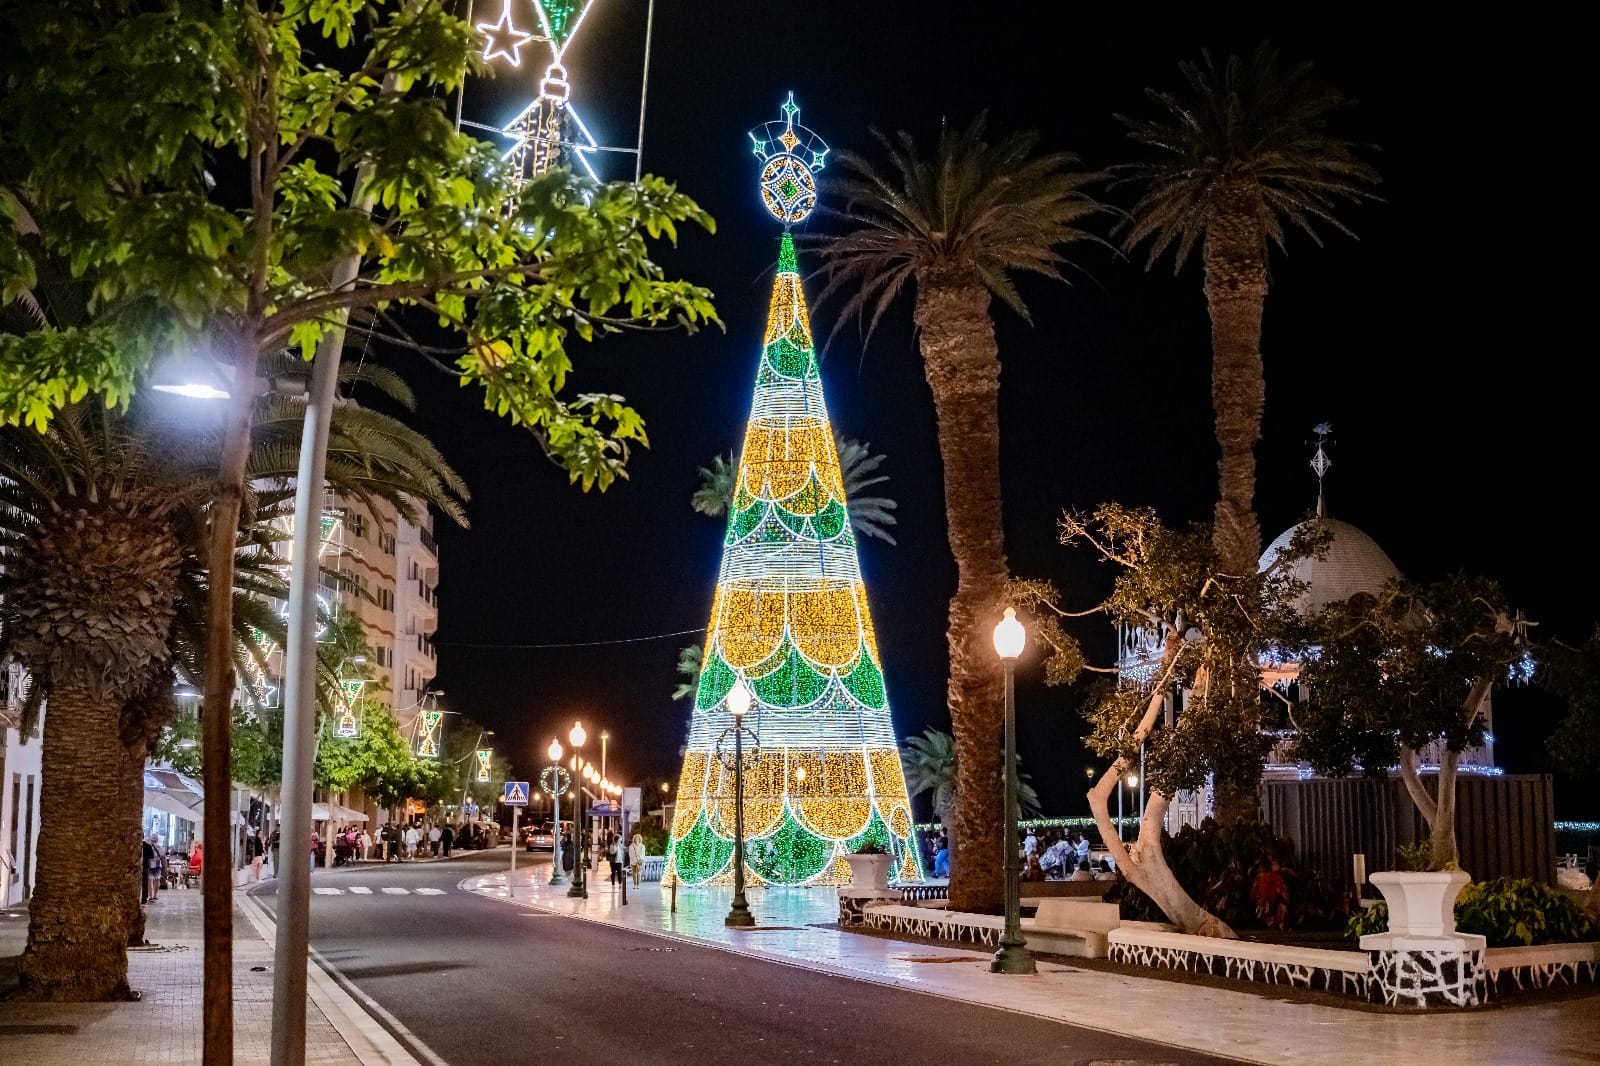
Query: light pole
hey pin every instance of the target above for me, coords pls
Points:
(555, 772)
(580, 884)
(1013, 955)
(467, 783)
(739, 916)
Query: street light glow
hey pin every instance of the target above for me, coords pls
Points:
(193, 390)
(554, 750)
(1009, 636)
(739, 699)
(576, 735)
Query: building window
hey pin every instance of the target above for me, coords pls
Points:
(386, 543)
(357, 523)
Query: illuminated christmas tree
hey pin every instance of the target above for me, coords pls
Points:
(790, 619)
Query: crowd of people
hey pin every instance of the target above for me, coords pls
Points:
(1060, 854)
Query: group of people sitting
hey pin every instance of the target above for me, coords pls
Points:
(1060, 855)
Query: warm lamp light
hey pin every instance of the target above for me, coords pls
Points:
(1133, 780)
(554, 751)
(666, 786)
(1009, 636)
(739, 699)
(576, 735)
(800, 773)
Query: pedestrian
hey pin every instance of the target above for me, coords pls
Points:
(1030, 845)
(941, 858)
(447, 837)
(366, 844)
(617, 854)
(636, 858)
(316, 846)
(149, 868)
(272, 846)
(412, 837)
(1080, 848)
(255, 851)
(434, 836)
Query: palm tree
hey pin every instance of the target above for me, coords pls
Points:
(959, 227)
(858, 465)
(690, 659)
(1240, 159)
(103, 597)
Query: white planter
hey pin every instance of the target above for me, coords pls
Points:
(1421, 904)
(869, 872)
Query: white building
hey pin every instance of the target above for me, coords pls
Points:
(19, 793)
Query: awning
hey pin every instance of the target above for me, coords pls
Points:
(322, 812)
(163, 801)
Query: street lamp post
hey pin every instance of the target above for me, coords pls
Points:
(580, 884)
(554, 772)
(739, 916)
(1013, 955)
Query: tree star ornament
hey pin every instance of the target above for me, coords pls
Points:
(502, 39)
(791, 155)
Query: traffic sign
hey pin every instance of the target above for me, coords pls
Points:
(516, 794)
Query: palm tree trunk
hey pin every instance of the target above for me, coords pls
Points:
(78, 918)
(1236, 295)
(962, 364)
(128, 820)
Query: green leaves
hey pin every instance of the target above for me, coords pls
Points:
(40, 373)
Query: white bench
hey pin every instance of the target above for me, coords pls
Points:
(1088, 919)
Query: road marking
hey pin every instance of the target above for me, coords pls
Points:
(391, 890)
(328, 891)
(430, 891)
(359, 891)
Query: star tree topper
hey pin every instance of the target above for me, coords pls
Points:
(790, 155)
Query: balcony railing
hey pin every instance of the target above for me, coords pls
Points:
(426, 537)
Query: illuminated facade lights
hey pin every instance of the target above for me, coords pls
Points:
(790, 620)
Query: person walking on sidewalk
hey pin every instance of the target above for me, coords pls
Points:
(412, 837)
(149, 868)
(617, 853)
(366, 844)
(434, 836)
(447, 837)
(255, 851)
(636, 858)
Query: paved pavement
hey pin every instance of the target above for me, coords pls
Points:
(463, 979)
(164, 1026)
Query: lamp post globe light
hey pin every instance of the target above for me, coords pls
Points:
(580, 884)
(739, 916)
(1013, 955)
(555, 772)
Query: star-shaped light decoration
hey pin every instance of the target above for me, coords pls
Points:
(502, 40)
(790, 155)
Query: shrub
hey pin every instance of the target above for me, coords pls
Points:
(1508, 912)
(655, 838)
(1416, 857)
(1244, 875)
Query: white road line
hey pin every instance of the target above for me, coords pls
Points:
(328, 891)
(430, 891)
(359, 891)
(393, 891)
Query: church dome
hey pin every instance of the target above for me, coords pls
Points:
(1353, 563)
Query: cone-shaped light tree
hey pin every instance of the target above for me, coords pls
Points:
(790, 618)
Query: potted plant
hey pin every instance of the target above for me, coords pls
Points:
(869, 868)
(1422, 902)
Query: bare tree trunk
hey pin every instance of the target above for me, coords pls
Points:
(962, 365)
(1442, 839)
(78, 918)
(217, 879)
(1144, 863)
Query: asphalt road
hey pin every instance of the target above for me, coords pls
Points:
(484, 983)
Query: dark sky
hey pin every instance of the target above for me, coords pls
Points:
(1438, 345)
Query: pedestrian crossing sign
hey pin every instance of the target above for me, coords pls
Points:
(516, 794)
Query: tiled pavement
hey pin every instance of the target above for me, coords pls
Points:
(164, 1027)
(797, 928)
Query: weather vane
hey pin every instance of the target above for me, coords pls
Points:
(537, 131)
(790, 155)
(1320, 461)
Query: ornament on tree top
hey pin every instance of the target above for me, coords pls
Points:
(790, 155)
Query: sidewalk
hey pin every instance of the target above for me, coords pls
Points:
(1271, 1026)
(164, 1026)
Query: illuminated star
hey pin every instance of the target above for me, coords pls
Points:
(502, 39)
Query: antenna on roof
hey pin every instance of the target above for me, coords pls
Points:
(1321, 463)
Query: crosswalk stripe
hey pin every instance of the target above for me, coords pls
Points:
(359, 891)
(328, 891)
(393, 891)
(430, 891)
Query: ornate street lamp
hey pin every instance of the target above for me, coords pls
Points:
(580, 883)
(1013, 955)
(739, 916)
(554, 780)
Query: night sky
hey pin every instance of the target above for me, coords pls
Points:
(1436, 345)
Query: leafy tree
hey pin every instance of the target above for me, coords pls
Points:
(1386, 676)
(1238, 159)
(345, 189)
(1573, 676)
(1171, 587)
(958, 228)
(869, 515)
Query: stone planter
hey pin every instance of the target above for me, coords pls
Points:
(869, 872)
(1422, 903)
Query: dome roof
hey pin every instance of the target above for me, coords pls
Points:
(1354, 563)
